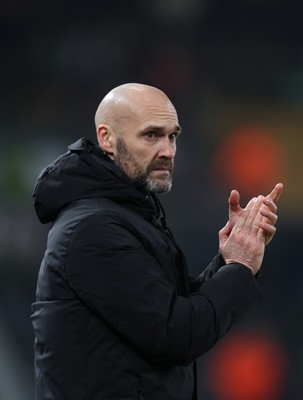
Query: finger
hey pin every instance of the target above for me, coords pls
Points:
(270, 204)
(255, 217)
(250, 203)
(268, 231)
(269, 216)
(275, 194)
(234, 201)
(267, 223)
(246, 221)
(243, 216)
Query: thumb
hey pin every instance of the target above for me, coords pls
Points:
(234, 202)
(225, 231)
(223, 235)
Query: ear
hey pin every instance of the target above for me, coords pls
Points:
(105, 136)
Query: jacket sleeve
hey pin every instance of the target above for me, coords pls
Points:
(124, 285)
(216, 263)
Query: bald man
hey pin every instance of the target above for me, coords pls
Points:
(117, 316)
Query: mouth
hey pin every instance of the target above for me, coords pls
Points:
(161, 170)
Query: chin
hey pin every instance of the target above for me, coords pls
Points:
(158, 186)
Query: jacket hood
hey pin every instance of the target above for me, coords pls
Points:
(84, 172)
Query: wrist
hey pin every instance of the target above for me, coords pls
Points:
(241, 263)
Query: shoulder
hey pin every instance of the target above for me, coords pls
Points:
(89, 211)
(82, 220)
(104, 224)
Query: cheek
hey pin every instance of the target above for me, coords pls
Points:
(142, 157)
(138, 164)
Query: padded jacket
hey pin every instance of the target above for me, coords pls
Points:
(117, 317)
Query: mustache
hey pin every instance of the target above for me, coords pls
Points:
(159, 164)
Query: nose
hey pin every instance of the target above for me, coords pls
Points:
(167, 149)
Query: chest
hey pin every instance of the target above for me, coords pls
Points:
(161, 245)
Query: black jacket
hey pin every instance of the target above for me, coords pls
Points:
(117, 316)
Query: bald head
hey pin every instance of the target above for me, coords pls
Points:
(131, 113)
(126, 102)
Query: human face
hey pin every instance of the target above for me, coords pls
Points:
(145, 175)
(146, 153)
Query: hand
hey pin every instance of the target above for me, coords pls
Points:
(268, 211)
(244, 243)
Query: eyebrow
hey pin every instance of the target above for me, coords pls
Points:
(156, 128)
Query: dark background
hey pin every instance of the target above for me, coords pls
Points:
(234, 71)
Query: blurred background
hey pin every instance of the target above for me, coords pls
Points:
(234, 71)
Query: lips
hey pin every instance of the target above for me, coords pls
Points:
(162, 171)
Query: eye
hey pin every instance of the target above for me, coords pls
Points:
(173, 136)
(150, 134)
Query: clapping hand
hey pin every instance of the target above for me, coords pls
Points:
(268, 211)
(249, 229)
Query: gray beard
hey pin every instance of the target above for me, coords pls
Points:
(142, 178)
(153, 186)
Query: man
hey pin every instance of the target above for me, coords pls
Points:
(117, 316)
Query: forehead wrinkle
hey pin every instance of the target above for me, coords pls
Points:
(150, 126)
(159, 117)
